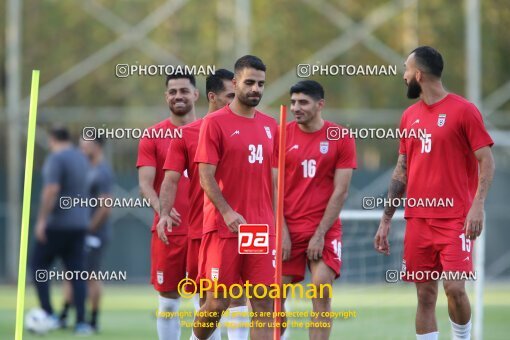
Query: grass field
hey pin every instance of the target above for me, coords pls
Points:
(382, 312)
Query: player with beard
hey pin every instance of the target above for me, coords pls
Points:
(318, 172)
(452, 160)
(168, 261)
(234, 157)
(180, 159)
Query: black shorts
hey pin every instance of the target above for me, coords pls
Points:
(94, 255)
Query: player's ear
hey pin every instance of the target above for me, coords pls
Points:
(419, 75)
(196, 94)
(234, 82)
(320, 104)
(211, 96)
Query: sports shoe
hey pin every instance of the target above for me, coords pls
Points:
(83, 329)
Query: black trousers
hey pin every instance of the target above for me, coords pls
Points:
(67, 245)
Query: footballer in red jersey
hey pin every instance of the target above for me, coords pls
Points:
(168, 261)
(318, 172)
(180, 159)
(449, 165)
(234, 153)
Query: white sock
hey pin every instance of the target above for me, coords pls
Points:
(196, 302)
(428, 336)
(239, 333)
(169, 328)
(461, 332)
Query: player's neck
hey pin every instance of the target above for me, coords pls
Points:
(312, 126)
(62, 146)
(97, 159)
(433, 93)
(242, 110)
(182, 120)
(212, 107)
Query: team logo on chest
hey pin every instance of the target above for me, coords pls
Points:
(441, 119)
(268, 132)
(324, 147)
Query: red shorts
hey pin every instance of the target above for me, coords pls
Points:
(331, 255)
(192, 258)
(168, 262)
(435, 245)
(220, 259)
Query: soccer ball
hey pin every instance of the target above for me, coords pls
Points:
(37, 321)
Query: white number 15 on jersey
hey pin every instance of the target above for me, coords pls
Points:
(426, 143)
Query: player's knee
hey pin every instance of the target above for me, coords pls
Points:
(455, 292)
(264, 304)
(427, 296)
(240, 302)
(170, 295)
(217, 305)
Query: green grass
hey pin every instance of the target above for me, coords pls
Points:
(383, 312)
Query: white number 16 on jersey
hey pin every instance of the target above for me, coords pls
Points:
(256, 154)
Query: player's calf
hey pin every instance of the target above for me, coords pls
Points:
(322, 277)
(426, 310)
(263, 318)
(459, 309)
(208, 316)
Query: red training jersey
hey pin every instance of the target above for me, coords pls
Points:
(242, 149)
(152, 152)
(180, 158)
(310, 163)
(441, 163)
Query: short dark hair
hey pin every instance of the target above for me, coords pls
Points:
(181, 76)
(310, 88)
(249, 61)
(429, 60)
(214, 82)
(60, 133)
(99, 140)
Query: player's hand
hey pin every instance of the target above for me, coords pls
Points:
(381, 243)
(286, 244)
(40, 231)
(176, 218)
(315, 247)
(165, 223)
(233, 220)
(474, 221)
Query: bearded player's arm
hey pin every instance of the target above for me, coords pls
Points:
(475, 216)
(396, 190)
